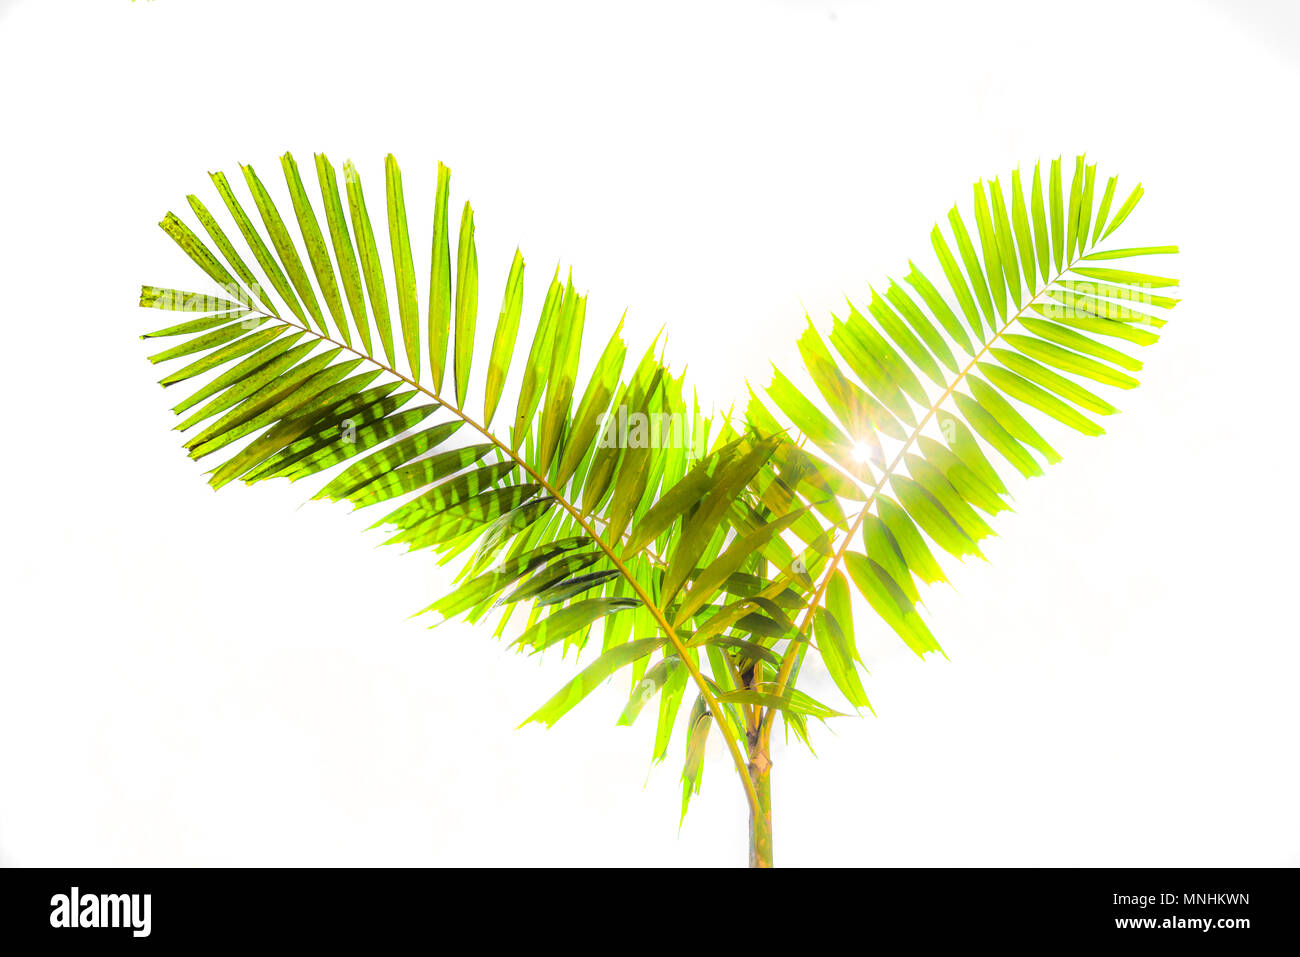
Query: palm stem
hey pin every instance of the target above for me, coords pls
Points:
(760, 818)
(760, 776)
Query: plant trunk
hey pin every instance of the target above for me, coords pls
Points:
(760, 822)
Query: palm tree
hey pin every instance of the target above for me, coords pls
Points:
(711, 553)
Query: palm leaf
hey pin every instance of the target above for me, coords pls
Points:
(590, 531)
(1051, 307)
(692, 548)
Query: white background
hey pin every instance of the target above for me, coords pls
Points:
(190, 678)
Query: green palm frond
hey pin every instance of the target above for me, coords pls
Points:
(567, 511)
(702, 551)
(923, 397)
